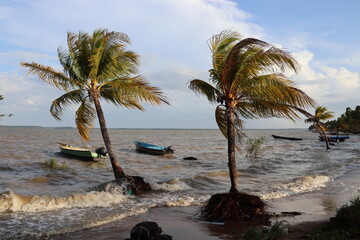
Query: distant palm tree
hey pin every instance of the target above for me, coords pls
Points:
(340, 124)
(97, 67)
(3, 115)
(246, 84)
(321, 114)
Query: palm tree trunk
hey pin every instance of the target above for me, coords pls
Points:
(327, 141)
(231, 150)
(118, 172)
(322, 132)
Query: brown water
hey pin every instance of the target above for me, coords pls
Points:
(38, 202)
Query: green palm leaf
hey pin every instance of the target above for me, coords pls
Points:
(49, 75)
(85, 116)
(203, 88)
(58, 105)
(129, 92)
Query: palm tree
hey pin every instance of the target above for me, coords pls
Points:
(245, 85)
(321, 114)
(3, 115)
(97, 67)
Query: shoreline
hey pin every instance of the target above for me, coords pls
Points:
(182, 222)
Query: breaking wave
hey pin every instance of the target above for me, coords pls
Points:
(171, 186)
(299, 185)
(13, 202)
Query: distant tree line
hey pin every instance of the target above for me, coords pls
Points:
(347, 122)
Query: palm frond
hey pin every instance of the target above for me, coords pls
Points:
(129, 92)
(79, 52)
(109, 58)
(84, 118)
(72, 69)
(221, 120)
(233, 60)
(271, 94)
(222, 40)
(323, 114)
(253, 57)
(203, 88)
(220, 45)
(58, 105)
(49, 75)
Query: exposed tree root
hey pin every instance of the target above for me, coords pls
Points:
(234, 205)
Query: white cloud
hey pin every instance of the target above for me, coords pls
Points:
(33, 101)
(342, 79)
(307, 73)
(333, 87)
(12, 83)
(170, 35)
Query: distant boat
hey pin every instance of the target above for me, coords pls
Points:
(287, 138)
(334, 138)
(83, 153)
(148, 148)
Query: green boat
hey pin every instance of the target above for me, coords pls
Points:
(83, 153)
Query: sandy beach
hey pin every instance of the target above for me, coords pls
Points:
(184, 223)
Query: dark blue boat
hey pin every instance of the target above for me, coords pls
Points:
(287, 138)
(148, 148)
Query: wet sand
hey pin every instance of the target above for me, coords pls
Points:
(183, 223)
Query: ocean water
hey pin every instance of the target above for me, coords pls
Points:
(40, 203)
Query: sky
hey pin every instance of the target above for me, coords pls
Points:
(171, 38)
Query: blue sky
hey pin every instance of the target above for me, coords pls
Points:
(170, 36)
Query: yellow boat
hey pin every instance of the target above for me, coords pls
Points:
(83, 153)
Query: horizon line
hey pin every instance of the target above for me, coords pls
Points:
(140, 128)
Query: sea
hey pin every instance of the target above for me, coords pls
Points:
(38, 202)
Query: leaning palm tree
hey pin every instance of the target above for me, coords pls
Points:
(95, 67)
(245, 83)
(321, 114)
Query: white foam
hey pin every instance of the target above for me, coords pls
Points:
(184, 201)
(171, 186)
(299, 185)
(12, 202)
(98, 222)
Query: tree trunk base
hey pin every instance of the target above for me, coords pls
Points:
(233, 205)
(134, 185)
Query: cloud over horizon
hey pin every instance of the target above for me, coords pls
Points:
(171, 37)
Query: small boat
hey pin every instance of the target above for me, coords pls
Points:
(287, 138)
(83, 153)
(334, 138)
(148, 148)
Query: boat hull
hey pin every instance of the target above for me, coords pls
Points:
(84, 154)
(147, 148)
(287, 138)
